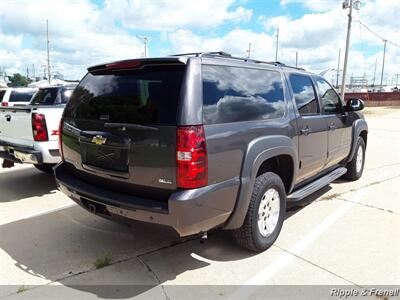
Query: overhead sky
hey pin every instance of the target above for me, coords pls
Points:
(87, 32)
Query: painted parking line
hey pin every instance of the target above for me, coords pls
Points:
(259, 279)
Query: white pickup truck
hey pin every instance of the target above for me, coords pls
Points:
(29, 134)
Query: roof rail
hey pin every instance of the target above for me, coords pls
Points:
(219, 53)
(227, 55)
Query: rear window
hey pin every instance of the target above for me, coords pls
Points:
(148, 95)
(232, 94)
(52, 96)
(17, 96)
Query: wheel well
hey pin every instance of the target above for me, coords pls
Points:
(281, 165)
(364, 135)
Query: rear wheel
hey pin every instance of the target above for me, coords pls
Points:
(355, 167)
(265, 214)
(46, 168)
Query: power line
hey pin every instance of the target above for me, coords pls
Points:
(376, 34)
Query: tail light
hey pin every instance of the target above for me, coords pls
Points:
(60, 129)
(39, 128)
(5, 104)
(191, 157)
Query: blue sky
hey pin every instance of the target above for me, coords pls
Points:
(87, 32)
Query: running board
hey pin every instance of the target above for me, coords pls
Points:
(316, 185)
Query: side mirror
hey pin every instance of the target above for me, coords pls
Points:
(354, 105)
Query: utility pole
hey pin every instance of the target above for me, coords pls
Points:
(44, 71)
(383, 61)
(48, 52)
(27, 72)
(277, 44)
(249, 51)
(297, 57)
(347, 4)
(33, 72)
(338, 70)
(397, 79)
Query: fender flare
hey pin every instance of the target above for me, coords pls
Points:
(359, 126)
(258, 151)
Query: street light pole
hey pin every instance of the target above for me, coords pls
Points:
(277, 44)
(145, 40)
(249, 51)
(338, 70)
(347, 4)
(48, 52)
(383, 61)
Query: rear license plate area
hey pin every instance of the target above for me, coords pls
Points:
(112, 154)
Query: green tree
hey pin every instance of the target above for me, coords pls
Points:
(18, 80)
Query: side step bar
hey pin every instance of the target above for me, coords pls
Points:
(316, 185)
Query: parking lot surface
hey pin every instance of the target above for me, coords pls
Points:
(346, 234)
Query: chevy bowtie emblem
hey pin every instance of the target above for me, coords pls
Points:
(99, 140)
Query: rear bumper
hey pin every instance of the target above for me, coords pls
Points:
(40, 153)
(189, 212)
(20, 154)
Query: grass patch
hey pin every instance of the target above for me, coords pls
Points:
(21, 289)
(103, 261)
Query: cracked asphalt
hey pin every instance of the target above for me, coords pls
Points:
(346, 234)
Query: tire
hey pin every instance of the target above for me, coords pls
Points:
(354, 172)
(45, 168)
(250, 236)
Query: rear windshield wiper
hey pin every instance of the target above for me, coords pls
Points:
(124, 126)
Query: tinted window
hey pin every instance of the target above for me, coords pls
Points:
(330, 100)
(45, 96)
(51, 96)
(2, 95)
(232, 94)
(17, 96)
(148, 95)
(66, 94)
(304, 94)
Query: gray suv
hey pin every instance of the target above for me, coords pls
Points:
(201, 141)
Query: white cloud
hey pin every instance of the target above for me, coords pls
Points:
(165, 15)
(314, 5)
(235, 42)
(83, 34)
(79, 36)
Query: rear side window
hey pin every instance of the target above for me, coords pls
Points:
(304, 94)
(45, 97)
(232, 94)
(16, 96)
(52, 96)
(148, 95)
(2, 95)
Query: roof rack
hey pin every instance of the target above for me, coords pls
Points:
(227, 55)
(198, 54)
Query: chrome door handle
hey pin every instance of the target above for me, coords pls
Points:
(305, 130)
(332, 126)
